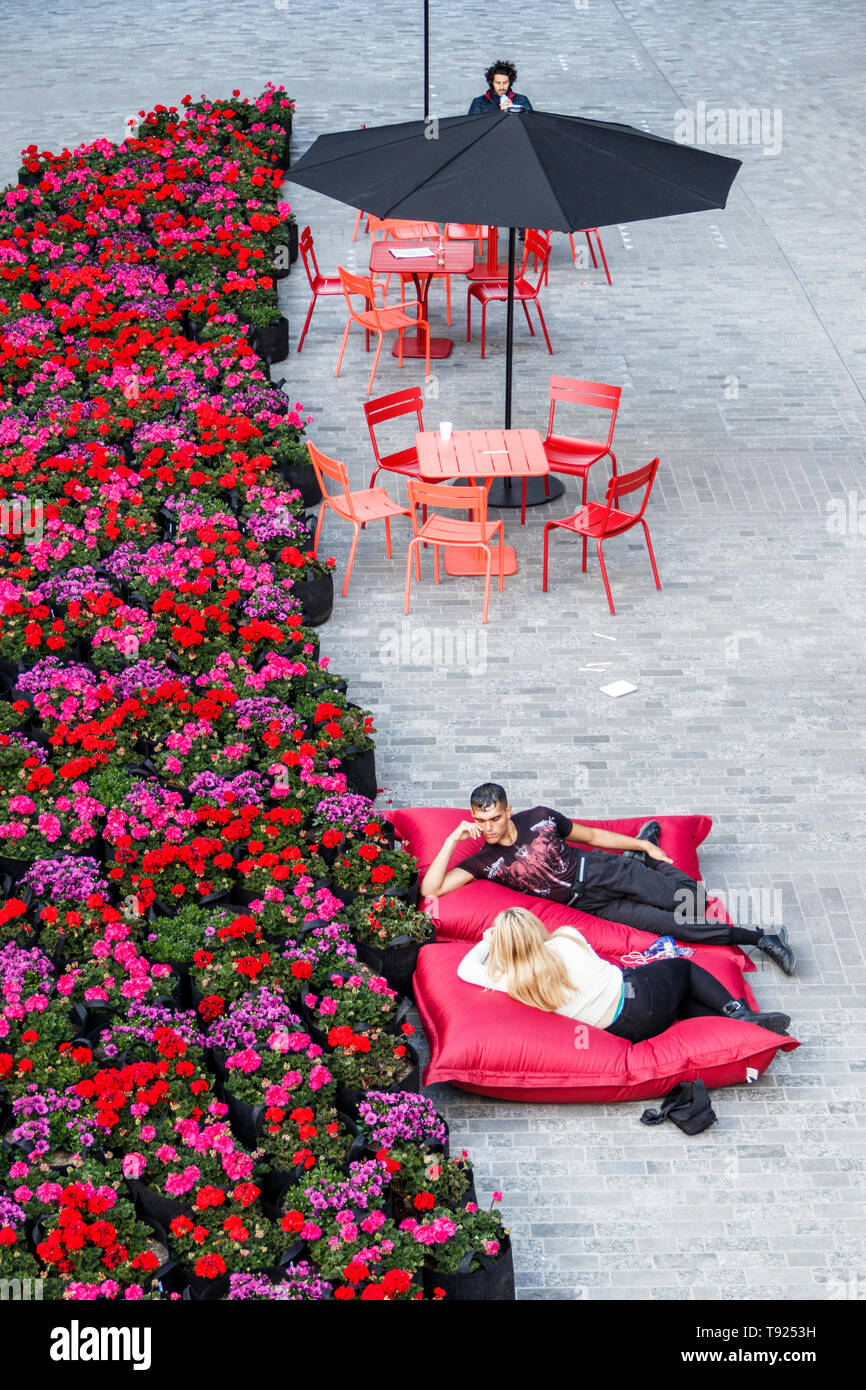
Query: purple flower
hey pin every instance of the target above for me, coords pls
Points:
(146, 675)
(300, 1281)
(351, 810)
(248, 788)
(66, 879)
(74, 584)
(398, 1117)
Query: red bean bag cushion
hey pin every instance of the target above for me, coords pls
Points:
(482, 1041)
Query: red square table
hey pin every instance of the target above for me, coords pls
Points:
(459, 256)
(476, 454)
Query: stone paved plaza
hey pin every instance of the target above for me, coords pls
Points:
(738, 343)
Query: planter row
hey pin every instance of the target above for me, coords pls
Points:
(395, 962)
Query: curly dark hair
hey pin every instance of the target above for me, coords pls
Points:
(507, 69)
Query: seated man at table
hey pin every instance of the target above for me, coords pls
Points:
(500, 95)
(541, 852)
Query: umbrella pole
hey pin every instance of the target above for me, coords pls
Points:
(509, 327)
(426, 58)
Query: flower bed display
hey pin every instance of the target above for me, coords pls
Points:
(207, 934)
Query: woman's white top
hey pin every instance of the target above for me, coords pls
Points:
(597, 986)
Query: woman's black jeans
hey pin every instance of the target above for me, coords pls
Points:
(658, 994)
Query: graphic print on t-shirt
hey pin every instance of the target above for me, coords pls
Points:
(539, 862)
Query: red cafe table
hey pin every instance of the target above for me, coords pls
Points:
(459, 256)
(475, 454)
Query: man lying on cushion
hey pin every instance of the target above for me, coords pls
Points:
(537, 852)
(562, 974)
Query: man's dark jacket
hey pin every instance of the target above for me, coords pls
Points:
(489, 102)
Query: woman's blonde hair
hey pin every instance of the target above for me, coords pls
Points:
(519, 952)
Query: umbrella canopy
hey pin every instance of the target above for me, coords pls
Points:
(527, 169)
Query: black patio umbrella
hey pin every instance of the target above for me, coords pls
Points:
(527, 169)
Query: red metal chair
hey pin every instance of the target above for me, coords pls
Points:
(369, 504)
(392, 407)
(496, 291)
(447, 531)
(382, 320)
(319, 284)
(565, 453)
(604, 521)
(589, 233)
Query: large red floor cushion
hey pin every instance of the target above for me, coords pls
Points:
(482, 1041)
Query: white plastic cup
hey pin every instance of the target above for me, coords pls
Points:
(445, 428)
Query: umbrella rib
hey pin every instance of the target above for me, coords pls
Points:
(543, 165)
(457, 155)
(662, 178)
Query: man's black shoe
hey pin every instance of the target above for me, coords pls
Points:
(738, 1008)
(650, 830)
(780, 953)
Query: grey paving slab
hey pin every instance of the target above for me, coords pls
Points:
(736, 338)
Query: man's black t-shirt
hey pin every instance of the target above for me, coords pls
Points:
(539, 862)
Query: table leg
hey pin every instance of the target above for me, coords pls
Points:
(439, 347)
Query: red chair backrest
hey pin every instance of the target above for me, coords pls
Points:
(438, 497)
(624, 483)
(537, 245)
(356, 284)
(305, 242)
(391, 407)
(326, 467)
(570, 390)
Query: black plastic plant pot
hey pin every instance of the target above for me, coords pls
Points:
(153, 1207)
(349, 1097)
(271, 342)
(360, 770)
(316, 592)
(14, 868)
(200, 1290)
(181, 971)
(275, 1184)
(242, 897)
(293, 226)
(303, 477)
(396, 962)
(406, 892)
(246, 1120)
(493, 1283)
(10, 670)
